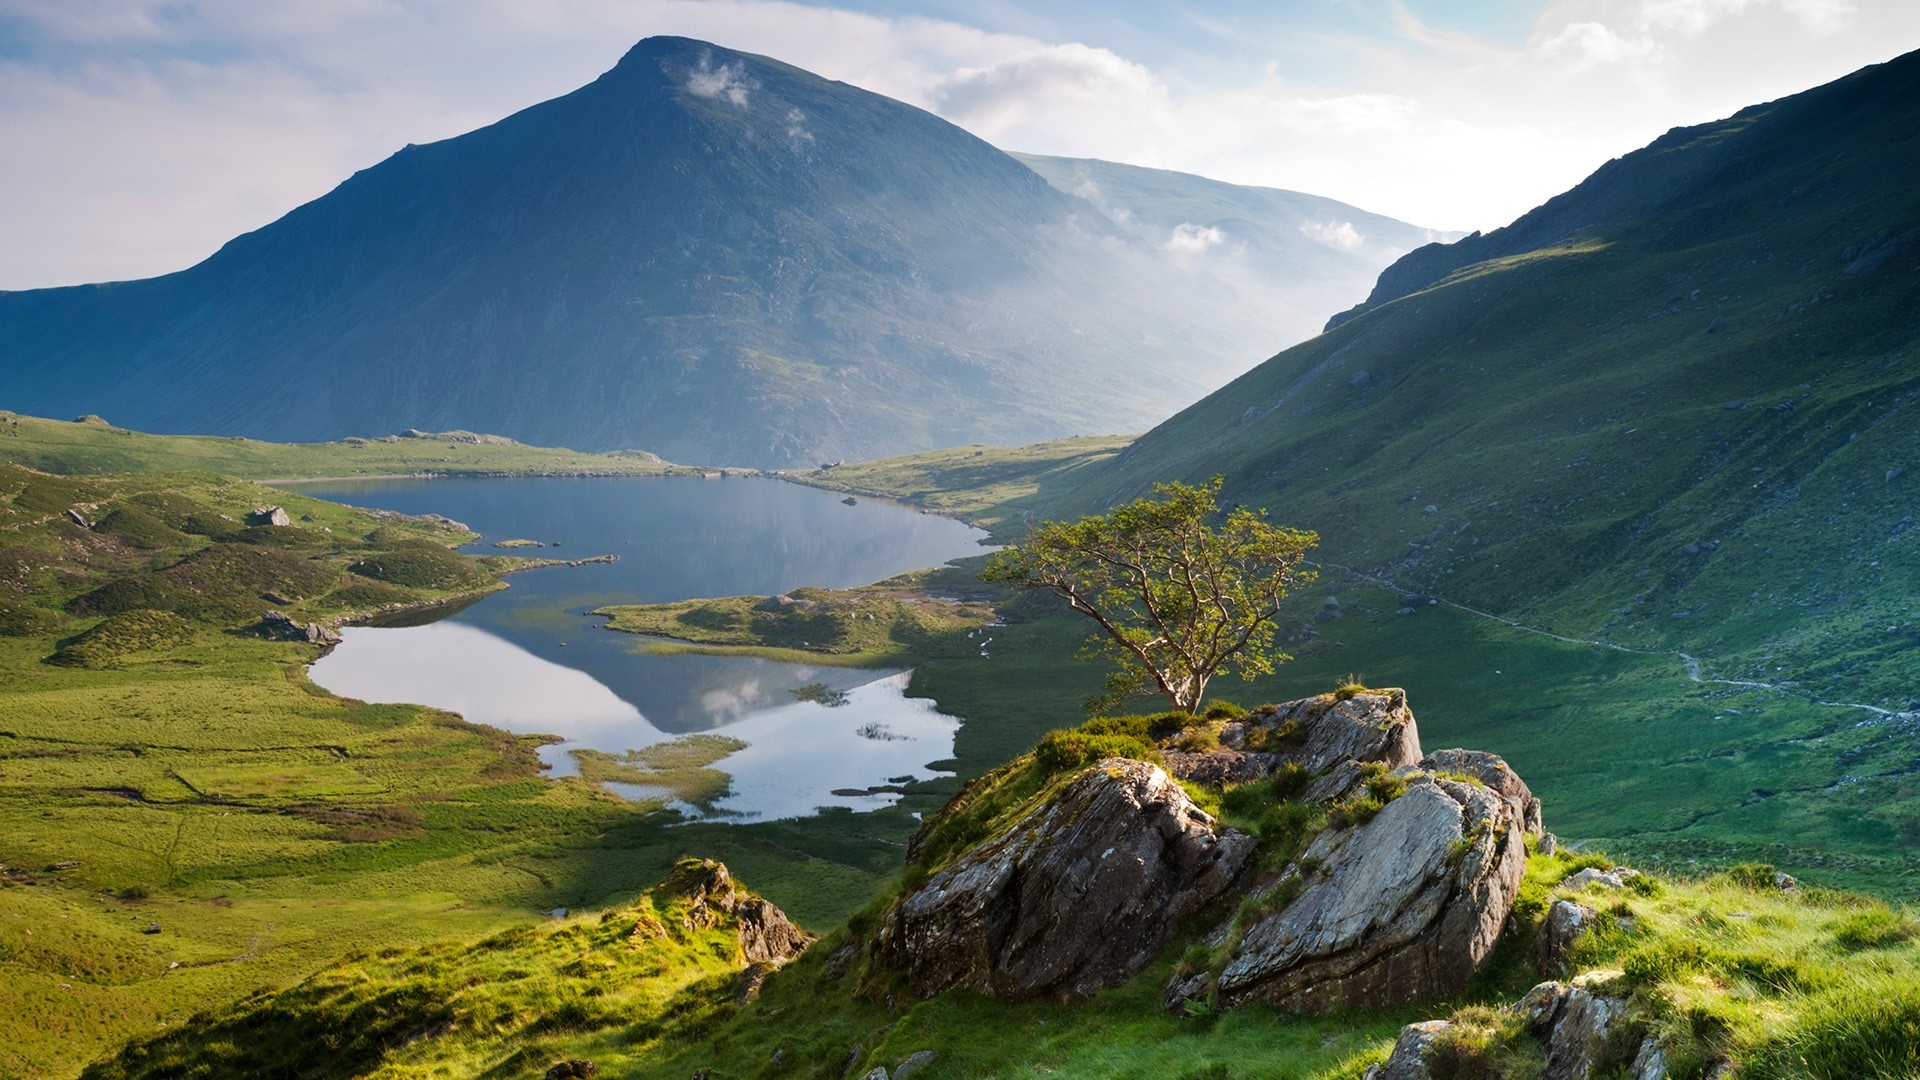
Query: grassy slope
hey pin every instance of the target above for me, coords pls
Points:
(1687, 427)
(1809, 984)
(202, 783)
(97, 447)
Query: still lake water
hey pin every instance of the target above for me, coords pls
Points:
(530, 659)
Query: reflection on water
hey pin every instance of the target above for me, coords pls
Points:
(529, 659)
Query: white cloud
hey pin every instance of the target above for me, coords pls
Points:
(726, 81)
(1334, 234)
(797, 127)
(1189, 239)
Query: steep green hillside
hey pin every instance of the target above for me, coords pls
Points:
(1637, 502)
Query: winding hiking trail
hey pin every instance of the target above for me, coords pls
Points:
(1693, 664)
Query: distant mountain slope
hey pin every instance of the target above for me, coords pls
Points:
(704, 253)
(1295, 257)
(1673, 409)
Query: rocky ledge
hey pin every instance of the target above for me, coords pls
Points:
(1077, 895)
(1399, 896)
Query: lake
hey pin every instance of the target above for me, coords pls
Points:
(530, 659)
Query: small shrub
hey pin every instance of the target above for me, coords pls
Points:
(1288, 826)
(1197, 741)
(1168, 725)
(1290, 780)
(1277, 739)
(1485, 1043)
(1753, 875)
(1353, 810)
(1061, 751)
(1348, 687)
(1224, 710)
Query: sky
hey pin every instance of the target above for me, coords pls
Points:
(139, 136)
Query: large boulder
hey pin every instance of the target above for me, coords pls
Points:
(1076, 895)
(1319, 734)
(1402, 907)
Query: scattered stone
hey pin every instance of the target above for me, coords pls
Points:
(851, 501)
(1606, 879)
(1076, 896)
(269, 515)
(1894, 474)
(1409, 1058)
(1404, 611)
(1733, 406)
(575, 1069)
(915, 1061)
(152, 928)
(70, 864)
(76, 517)
(1548, 844)
(276, 598)
(1718, 324)
(1430, 509)
(1785, 882)
(879, 1072)
(1566, 921)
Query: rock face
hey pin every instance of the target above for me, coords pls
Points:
(279, 626)
(1403, 907)
(1491, 770)
(1077, 895)
(1409, 1058)
(1316, 733)
(766, 935)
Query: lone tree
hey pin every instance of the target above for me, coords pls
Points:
(1177, 600)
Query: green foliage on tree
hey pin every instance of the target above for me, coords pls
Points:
(1177, 600)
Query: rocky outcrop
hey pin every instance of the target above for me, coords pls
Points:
(1576, 1026)
(1582, 1031)
(1400, 908)
(1491, 770)
(1566, 921)
(279, 626)
(1077, 895)
(765, 933)
(269, 515)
